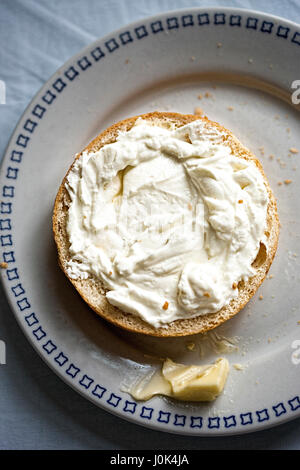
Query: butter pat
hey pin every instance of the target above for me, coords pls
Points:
(184, 382)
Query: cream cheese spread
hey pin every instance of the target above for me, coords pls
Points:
(169, 220)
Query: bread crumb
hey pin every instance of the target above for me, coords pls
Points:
(287, 181)
(271, 276)
(238, 366)
(191, 346)
(271, 157)
(230, 108)
(250, 61)
(200, 96)
(271, 66)
(240, 201)
(193, 58)
(198, 111)
(288, 130)
(127, 61)
(190, 207)
(234, 285)
(269, 340)
(206, 294)
(294, 150)
(166, 305)
(281, 163)
(110, 273)
(208, 94)
(261, 297)
(279, 183)
(3, 265)
(298, 322)
(219, 44)
(262, 150)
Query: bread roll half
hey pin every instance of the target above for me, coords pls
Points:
(93, 291)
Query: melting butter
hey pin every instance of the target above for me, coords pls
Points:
(183, 382)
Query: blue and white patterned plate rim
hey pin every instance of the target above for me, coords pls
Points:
(26, 129)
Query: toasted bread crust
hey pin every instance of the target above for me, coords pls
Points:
(93, 291)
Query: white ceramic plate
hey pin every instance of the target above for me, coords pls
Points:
(245, 62)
